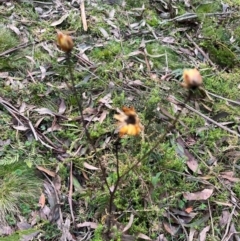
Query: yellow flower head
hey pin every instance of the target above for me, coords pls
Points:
(64, 42)
(192, 79)
(128, 122)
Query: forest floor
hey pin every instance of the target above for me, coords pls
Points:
(64, 172)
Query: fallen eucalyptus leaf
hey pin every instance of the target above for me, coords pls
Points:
(202, 195)
(90, 167)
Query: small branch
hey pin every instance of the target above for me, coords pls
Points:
(228, 225)
(223, 98)
(212, 225)
(57, 197)
(181, 223)
(116, 151)
(80, 107)
(200, 50)
(208, 119)
(9, 51)
(83, 15)
(71, 192)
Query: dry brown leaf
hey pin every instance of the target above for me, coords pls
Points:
(130, 222)
(5, 230)
(103, 116)
(42, 200)
(229, 176)
(88, 224)
(224, 218)
(191, 161)
(62, 107)
(90, 167)
(193, 165)
(45, 212)
(23, 225)
(169, 40)
(191, 234)
(20, 128)
(57, 182)
(85, 175)
(106, 100)
(43, 72)
(223, 204)
(58, 22)
(55, 127)
(66, 235)
(4, 75)
(50, 173)
(143, 236)
(44, 111)
(14, 29)
(203, 233)
(202, 195)
(170, 228)
(161, 238)
(104, 32)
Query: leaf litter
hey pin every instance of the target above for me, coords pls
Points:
(63, 115)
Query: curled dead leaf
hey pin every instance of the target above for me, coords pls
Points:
(130, 222)
(202, 195)
(88, 224)
(50, 173)
(90, 167)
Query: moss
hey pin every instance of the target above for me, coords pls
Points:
(11, 197)
(225, 83)
(136, 4)
(151, 18)
(207, 7)
(165, 54)
(107, 53)
(7, 39)
(236, 189)
(220, 53)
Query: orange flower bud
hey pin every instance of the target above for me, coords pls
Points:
(192, 79)
(64, 42)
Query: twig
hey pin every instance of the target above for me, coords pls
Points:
(116, 149)
(60, 212)
(223, 98)
(231, 235)
(200, 50)
(228, 224)
(83, 15)
(79, 102)
(180, 222)
(70, 192)
(14, 112)
(23, 45)
(208, 119)
(210, 212)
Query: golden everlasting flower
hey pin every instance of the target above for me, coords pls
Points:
(192, 79)
(64, 42)
(128, 122)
